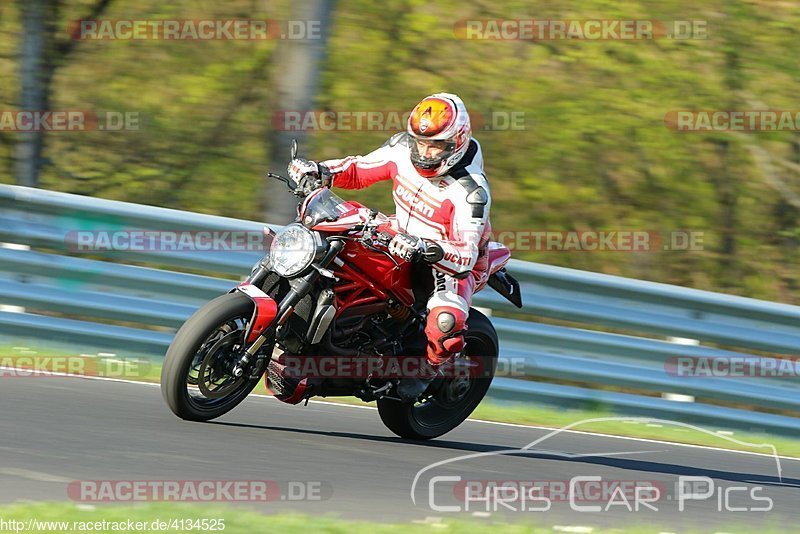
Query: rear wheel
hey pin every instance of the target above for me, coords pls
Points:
(456, 396)
(196, 380)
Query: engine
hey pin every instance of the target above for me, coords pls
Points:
(370, 331)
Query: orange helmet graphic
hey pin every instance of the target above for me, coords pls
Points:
(439, 131)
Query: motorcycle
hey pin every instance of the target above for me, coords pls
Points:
(329, 295)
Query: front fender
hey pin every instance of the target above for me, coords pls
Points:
(264, 312)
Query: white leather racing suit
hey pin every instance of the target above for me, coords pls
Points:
(452, 210)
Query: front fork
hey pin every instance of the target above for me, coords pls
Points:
(268, 315)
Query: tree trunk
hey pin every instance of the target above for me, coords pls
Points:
(35, 72)
(294, 82)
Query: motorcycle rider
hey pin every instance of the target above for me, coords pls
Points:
(442, 205)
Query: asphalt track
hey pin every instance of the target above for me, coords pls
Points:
(55, 430)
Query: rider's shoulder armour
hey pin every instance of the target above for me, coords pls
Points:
(476, 195)
(400, 138)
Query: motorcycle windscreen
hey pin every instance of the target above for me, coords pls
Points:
(323, 206)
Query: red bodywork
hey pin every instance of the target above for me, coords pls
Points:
(265, 310)
(368, 277)
(365, 278)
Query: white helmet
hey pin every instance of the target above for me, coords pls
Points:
(439, 133)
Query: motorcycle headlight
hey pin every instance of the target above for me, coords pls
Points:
(292, 250)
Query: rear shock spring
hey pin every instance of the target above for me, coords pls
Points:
(398, 312)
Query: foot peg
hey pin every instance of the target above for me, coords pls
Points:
(409, 389)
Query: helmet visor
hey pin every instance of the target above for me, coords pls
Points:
(429, 153)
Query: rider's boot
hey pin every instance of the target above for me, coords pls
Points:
(411, 388)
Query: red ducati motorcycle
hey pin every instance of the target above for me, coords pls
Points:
(329, 312)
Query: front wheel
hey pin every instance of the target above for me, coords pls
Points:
(457, 395)
(197, 381)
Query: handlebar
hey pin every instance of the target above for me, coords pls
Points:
(371, 232)
(293, 186)
(369, 240)
(287, 181)
(371, 236)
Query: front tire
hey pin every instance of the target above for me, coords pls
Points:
(219, 325)
(451, 404)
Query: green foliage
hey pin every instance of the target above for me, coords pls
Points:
(202, 108)
(594, 152)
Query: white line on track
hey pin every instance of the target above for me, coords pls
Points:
(33, 475)
(356, 406)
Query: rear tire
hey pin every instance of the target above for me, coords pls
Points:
(436, 416)
(182, 354)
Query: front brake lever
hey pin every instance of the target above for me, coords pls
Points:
(288, 181)
(367, 241)
(373, 248)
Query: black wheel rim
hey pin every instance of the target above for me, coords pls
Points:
(457, 393)
(209, 383)
(213, 376)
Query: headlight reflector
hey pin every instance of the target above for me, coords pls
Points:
(292, 250)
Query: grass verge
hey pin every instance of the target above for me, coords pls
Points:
(69, 517)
